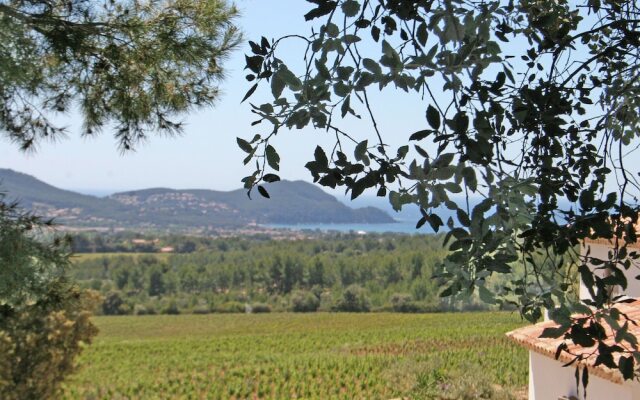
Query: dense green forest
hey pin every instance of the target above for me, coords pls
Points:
(341, 272)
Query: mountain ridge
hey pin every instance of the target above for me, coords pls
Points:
(292, 202)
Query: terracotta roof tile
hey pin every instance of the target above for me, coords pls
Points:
(529, 337)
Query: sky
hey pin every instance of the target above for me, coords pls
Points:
(207, 155)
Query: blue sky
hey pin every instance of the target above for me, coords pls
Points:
(206, 156)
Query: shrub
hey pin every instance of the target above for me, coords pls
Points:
(113, 304)
(354, 299)
(171, 308)
(44, 318)
(401, 302)
(231, 307)
(326, 301)
(141, 309)
(201, 307)
(259, 308)
(201, 310)
(279, 303)
(304, 301)
(39, 343)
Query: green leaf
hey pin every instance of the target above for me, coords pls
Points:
(357, 189)
(332, 30)
(361, 150)
(443, 160)
(585, 378)
(244, 145)
(432, 52)
(422, 34)
(447, 292)
(587, 199)
(469, 175)
(445, 173)
(421, 151)
(344, 73)
(402, 152)
(341, 89)
(587, 279)
(509, 74)
(626, 367)
(499, 82)
(365, 80)
(249, 92)
(372, 66)
(375, 31)
(350, 8)
(321, 158)
(433, 117)
(391, 58)
(324, 8)
(254, 63)
(420, 134)
(463, 217)
(277, 85)
(346, 106)
(264, 42)
(395, 200)
(323, 71)
(263, 192)
(247, 159)
(290, 79)
(271, 178)
(348, 39)
(436, 222)
(272, 157)
(485, 295)
(266, 108)
(452, 187)
(562, 347)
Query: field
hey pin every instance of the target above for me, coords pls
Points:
(310, 356)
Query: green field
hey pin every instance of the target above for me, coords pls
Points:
(310, 356)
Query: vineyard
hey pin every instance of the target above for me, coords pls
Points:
(310, 356)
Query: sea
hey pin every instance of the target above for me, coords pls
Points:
(406, 227)
(405, 220)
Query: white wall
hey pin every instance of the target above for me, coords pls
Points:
(549, 380)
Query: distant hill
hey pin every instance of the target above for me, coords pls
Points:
(295, 202)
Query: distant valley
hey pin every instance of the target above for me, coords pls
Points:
(294, 202)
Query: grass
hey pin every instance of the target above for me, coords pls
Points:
(310, 356)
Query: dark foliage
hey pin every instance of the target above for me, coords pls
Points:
(528, 104)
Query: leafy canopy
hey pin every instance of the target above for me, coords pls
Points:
(29, 262)
(530, 126)
(133, 65)
(44, 318)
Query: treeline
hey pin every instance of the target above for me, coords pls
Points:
(131, 242)
(344, 272)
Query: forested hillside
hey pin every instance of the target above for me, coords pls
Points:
(197, 210)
